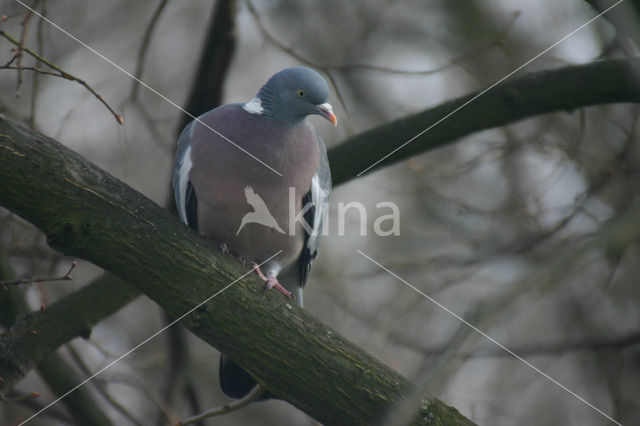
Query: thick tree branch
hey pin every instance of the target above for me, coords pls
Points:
(86, 212)
(563, 89)
(36, 335)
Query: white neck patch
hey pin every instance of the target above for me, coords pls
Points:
(254, 106)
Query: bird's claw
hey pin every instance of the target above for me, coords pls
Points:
(271, 282)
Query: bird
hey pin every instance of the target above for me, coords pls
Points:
(240, 157)
(260, 213)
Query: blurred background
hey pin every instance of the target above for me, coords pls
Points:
(498, 227)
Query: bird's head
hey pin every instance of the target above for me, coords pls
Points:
(294, 93)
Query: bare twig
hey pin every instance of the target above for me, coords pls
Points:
(329, 69)
(55, 413)
(143, 388)
(60, 73)
(65, 277)
(100, 386)
(20, 398)
(528, 350)
(255, 393)
(23, 33)
(36, 76)
(27, 68)
(144, 47)
(452, 62)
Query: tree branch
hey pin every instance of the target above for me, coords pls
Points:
(86, 212)
(65, 277)
(562, 89)
(255, 393)
(36, 335)
(60, 378)
(56, 373)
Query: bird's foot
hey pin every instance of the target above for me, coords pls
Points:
(225, 252)
(272, 282)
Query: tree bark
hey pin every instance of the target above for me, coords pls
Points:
(87, 213)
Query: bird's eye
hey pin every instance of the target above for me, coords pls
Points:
(300, 93)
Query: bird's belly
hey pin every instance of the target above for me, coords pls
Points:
(250, 235)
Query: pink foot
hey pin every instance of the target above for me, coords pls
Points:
(272, 282)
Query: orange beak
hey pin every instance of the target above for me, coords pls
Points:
(326, 110)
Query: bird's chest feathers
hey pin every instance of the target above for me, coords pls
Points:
(291, 151)
(226, 171)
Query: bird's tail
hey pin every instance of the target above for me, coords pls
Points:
(234, 381)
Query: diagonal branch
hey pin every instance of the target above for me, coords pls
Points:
(36, 335)
(562, 89)
(290, 353)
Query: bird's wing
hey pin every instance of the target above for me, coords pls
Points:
(183, 191)
(318, 196)
(191, 207)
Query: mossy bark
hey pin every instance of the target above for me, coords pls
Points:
(87, 213)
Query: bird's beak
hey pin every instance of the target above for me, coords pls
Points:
(326, 110)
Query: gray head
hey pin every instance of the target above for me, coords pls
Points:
(291, 95)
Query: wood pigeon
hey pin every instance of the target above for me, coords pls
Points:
(253, 178)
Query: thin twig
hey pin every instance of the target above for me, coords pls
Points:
(23, 33)
(143, 388)
(36, 76)
(20, 398)
(55, 413)
(369, 67)
(100, 386)
(34, 69)
(528, 350)
(62, 74)
(65, 277)
(144, 47)
(255, 393)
